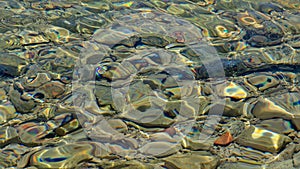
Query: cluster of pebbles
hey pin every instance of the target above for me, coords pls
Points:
(150, 84)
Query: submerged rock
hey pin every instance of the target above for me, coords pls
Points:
(7, 112)
(192, 160)
(262, 139)
(67, 156)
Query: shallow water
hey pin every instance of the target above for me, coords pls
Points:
(155, 84)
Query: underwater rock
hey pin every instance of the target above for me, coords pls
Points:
(262, 139)
(192, 160)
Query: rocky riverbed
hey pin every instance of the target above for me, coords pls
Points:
(172, 84)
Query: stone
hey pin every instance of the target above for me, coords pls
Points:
(160, 148)
(118, 125)
(21, 105)
(192, 144)
(33, 133)
(182, 161)
(11, 64)
(51, 89)
(7, 112)
(7, 135)
(224, 139)
(261, 139)
(278, 125)
(66, 156)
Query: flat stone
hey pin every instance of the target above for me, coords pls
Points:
(267, 109)
(11, 64)
(234, 91)
(152, 117)
(21, 105)
(66, 156)
(7, 112)
(7, 134)
(118, 125)
(160, 149)
(263, 82)
(52, 89)
(68, 127)
(280, 126)
(32, 133)
(277, 107)
(261, 139)
(192, 144)
(40, 79)
(191, 161)
(163, 136)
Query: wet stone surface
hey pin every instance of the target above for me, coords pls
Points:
(208, 84)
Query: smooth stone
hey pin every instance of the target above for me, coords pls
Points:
(267, 109)
(276, 125)
(7, 134)
(160, 149)
(261, 139)
(7, 112)
(284, 106)
(109, 37)
(76, 136)
(229, 108)
(235, 91)
(163, 136)
(152, 117)
(39, 80)
(20, 105)
(118, 125)
(32, 133)
(183, 107)
(57, 34)
(68, 127)
(263, 82)
(66, 156)
(11, 64)
(192, 144)
(191, 161)
(52, 89)
(122, 150)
